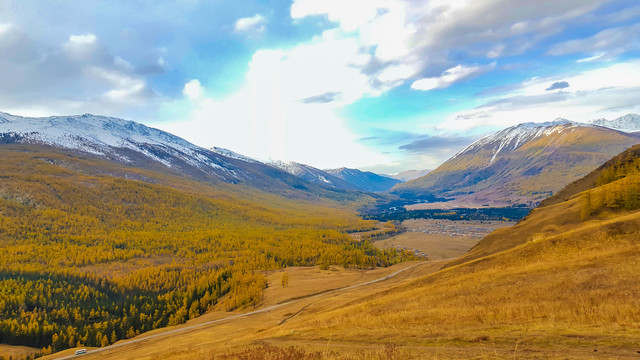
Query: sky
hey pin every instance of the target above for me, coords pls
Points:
(381, 85)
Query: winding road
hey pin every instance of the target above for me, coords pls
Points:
(213, 322)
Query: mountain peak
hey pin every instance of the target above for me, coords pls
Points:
(626, 123)
(522, 164)
(513, 137)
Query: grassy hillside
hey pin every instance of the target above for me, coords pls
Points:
(532, 172)
(562, 284)
(92, 251)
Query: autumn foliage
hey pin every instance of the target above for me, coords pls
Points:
(87, 258)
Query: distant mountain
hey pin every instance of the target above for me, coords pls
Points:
(409, 175)
(522, 164)
(627, 123)
(137, 145)
(364, 180)
(313, 175)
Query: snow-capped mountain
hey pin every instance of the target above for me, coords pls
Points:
(513, 137)
(626, 123)
(364, 180)
(313, 175)
(115, 139)
(521, 164)
(232, 154)
(137, 145)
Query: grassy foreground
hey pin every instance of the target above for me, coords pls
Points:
(559, 285)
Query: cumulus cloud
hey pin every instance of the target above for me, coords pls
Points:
(82, 47)
(79, 75)
(266, 117)
(409, 40)
(557, 85)
(254, 23)
(193, 90)
(313, 70)
(451, 76)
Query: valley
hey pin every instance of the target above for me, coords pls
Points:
(118, 257)
(320, 180)
(561, 284)
(440, 239)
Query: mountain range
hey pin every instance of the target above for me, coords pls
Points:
(342, 178)
(139, 146)
(523, 164)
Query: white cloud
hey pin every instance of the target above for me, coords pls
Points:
(5, 28)
(193, 90)
(254, 23)
(395, 73)
(604, 92)
(124, 88)
(316, 68)
(613, 42)
(411, 38)
(122, 64)
(82, 40)
(450, 77)
(496, 52)
(81, 47)
(288, 106)
(267, 119)
(349, 14)
(595, 57)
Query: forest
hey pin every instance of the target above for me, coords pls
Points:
(618, 187)
(87, 258)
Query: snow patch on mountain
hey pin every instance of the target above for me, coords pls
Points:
(232, 154)
(513, 137)
(313, 175)
(107, 137)
(626, 123)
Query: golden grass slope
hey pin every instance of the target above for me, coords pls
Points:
(555, 286)
(574, 294)
(578, 288)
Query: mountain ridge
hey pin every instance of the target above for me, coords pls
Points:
(626, 123)
(137, 145)
(364, 180)
(522, 164)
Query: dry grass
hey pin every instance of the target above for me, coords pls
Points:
(579, 288)
(16, 352)
(560, 289)
(437, 246)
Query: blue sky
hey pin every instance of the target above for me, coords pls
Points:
(384, 85)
